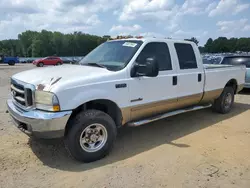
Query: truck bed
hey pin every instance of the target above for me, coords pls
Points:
(217, 76)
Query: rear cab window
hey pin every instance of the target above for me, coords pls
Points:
(186, 56)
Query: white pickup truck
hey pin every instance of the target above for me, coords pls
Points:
(121, 82)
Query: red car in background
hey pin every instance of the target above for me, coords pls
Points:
(48, 61)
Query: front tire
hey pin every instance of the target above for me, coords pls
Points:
(91, 135)
(40, 64)
(225, 102)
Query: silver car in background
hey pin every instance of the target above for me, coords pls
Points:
(231, 60)
(239, 60)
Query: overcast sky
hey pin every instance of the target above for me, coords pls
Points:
(160, 18)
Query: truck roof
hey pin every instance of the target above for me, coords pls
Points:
(151, 39)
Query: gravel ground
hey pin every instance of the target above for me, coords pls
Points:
(196, 149)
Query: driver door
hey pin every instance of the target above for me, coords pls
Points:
(153, 95)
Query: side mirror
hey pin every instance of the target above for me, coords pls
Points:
(149, 69)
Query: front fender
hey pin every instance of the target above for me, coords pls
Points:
(71, 99)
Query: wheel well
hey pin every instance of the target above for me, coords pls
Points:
(232, 83)
(107, 106)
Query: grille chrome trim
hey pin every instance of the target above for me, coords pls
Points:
(20, 99)
(23, 98)
(16, 89)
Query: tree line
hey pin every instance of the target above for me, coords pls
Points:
(222, 44)
(47, 43)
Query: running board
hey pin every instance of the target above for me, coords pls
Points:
(162, 116)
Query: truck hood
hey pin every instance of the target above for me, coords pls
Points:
(45, 78)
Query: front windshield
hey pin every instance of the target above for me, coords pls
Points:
(114, 55)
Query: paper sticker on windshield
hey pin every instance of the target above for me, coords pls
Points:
(130, 44)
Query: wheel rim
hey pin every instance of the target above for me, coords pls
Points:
(93, 137)
(228, 100)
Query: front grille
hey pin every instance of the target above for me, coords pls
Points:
(22, 93)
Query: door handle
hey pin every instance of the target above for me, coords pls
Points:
(199, 77)
(174, 80)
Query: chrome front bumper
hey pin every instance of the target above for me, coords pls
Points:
(39, 123)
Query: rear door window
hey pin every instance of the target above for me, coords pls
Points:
(186, 56)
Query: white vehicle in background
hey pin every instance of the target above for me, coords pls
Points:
(121, 82)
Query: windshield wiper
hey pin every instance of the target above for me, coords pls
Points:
(97, 65)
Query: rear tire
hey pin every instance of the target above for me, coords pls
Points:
(58, 63)
(83, 140)
(40, 64)
(225, 102)
(11, 63)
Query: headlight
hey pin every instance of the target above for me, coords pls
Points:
(46, 101)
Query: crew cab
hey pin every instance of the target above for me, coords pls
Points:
(48, 61)
(128, 82)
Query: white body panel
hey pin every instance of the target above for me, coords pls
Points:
(188, 83)
(80, 84)
(151, 90)
(217, 78)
